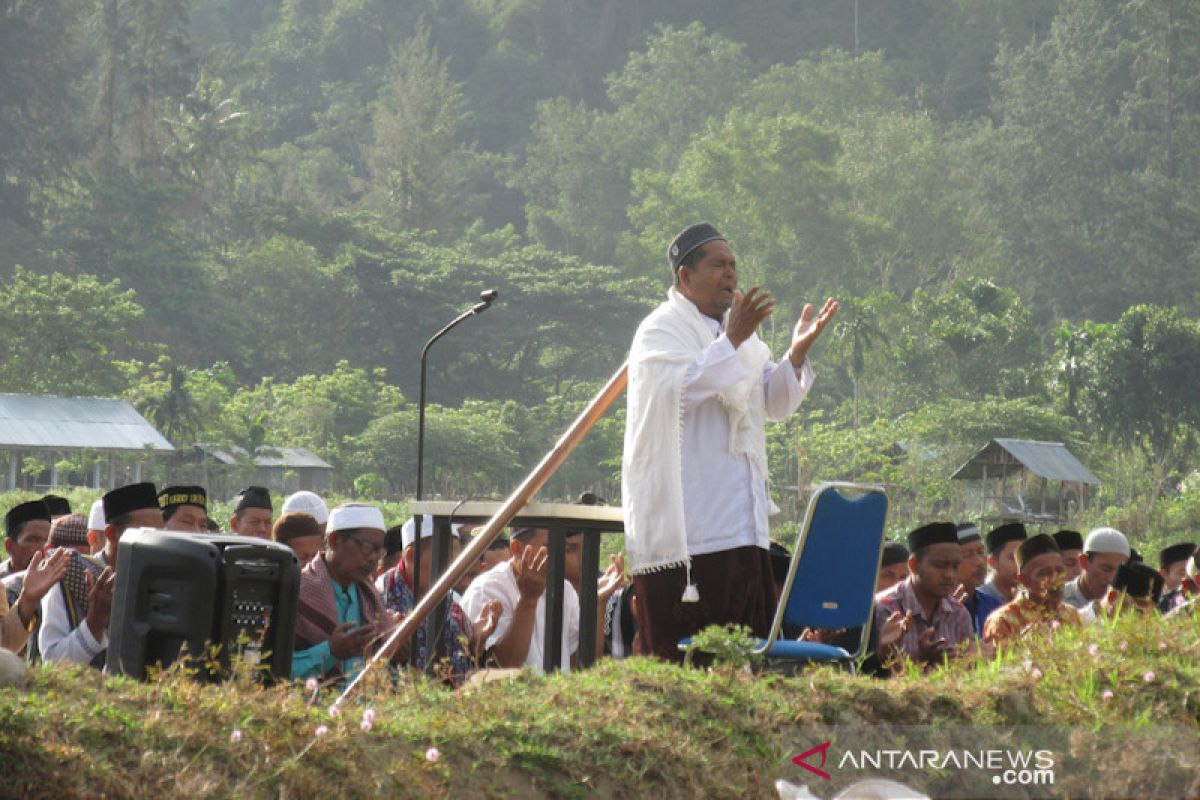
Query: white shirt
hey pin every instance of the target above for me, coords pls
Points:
(57, 641)
(725, 498)
(500, 583)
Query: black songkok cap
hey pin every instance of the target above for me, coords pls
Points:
(998, 537)
(25, 512)
(688, 240)
(893, 553)
(501, 542)
(56, 505)
(183, 496)
(1175, 553)
(968, 532)
(933, 533)
(393, 540)
(127, 499)
(1035, 546)
(1069, 540)
(252, 497)
(1138, 580)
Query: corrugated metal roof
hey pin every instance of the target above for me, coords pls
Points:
(289, 457)
(98, 423)
(1051, 460)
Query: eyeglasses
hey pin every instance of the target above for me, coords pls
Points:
(368, 549)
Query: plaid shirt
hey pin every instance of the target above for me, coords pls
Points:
(950, 621)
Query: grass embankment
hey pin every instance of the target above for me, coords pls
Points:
(633, 728)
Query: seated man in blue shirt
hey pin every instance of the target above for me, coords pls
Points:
(972, 574)
(341, 614)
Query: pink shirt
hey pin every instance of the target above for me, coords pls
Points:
(951, 620)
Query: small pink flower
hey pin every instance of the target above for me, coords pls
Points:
(1162, 645)
(235, 736)
(311, 684)
(1055, 624)
(1148, 677)
(369, 715)
(335, 711)
(1036, 673)
(1093, 650)
(321, 730)
(366, 726)
(1124, 646)
(432, 755)
(1106, 695)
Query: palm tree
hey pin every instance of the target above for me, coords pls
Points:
(857, 330)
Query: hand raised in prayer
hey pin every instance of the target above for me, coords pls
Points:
(893, 629)
(820, 635)
(350, 641)
(612, 579)
(931, 647)
(809, 328)
(43, 573)
(960, 594)
(748, 311)
(100, 595)
(484, 626)
(530, 571)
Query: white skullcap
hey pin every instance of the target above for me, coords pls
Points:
(355, 515)
(307, 503)
(96, 521)
(408, 531)
(1106, 540)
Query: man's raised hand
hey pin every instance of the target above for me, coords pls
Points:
(747, 313)
(808, 328)
(530, 571)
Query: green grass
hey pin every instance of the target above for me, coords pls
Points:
(628, 728)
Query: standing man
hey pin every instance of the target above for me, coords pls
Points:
(694, 472)
(252, 512)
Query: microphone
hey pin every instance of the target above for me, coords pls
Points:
(485, 300)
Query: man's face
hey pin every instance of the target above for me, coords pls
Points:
(573, 559)
(32, 537)
(354, 554)
(1070, 559)
(890, 575)
(189, 519)
(252, 522)
(305, 547)
(1043, 577)
(711, 282)
(1101, 568)
(937, 569)
(142, 518)
(491, 557)
(972, 573)
(1173, 576)
(427, 561)
(1005, 562)
(539, 538)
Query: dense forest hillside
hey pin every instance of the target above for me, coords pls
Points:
(248, 215)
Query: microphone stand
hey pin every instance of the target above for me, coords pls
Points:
(485, 302)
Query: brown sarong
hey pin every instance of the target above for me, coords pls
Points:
(736, 587)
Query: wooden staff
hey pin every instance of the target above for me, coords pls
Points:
(512, 506)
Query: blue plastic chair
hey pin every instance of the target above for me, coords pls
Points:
(831, 579)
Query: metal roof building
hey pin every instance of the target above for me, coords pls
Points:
(51, 428)
(1030, 467)
(281, 469)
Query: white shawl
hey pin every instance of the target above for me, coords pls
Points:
(666, 344)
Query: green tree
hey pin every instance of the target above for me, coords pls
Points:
(62, 333)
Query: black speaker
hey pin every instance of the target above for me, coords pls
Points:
(206, 598)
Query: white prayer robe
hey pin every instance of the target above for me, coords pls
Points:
(725, 498)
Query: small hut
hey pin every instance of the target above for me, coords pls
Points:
(1017, 480)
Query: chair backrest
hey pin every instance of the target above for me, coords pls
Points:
(831, 580)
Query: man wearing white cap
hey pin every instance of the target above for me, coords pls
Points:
(340, 614)
(462, 641)
(96, 525)
(1104, 550)
(304, 502)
